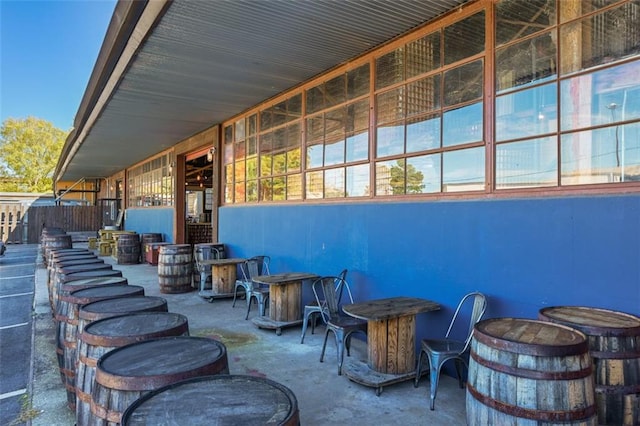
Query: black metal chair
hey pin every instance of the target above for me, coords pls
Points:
(251, 268)
(312, 312)
(328, 292)
(439, 351)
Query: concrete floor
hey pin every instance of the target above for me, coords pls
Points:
(323, 397)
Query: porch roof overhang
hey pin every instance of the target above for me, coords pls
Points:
(169, 69)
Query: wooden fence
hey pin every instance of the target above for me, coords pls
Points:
(69, 218)
(11, 222)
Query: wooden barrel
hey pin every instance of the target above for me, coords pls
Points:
(66, 273)
(525, 371)
(54, 241)
(128, 249)
(239, 400)
(65, 290)
(68, 261)
(58, 254)
(67, 336)
(125, 374)
(614, 346)
(146, 239)
(174, 268)
(110, 308)
(103, 335)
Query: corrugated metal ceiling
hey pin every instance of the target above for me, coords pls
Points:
(205, 61)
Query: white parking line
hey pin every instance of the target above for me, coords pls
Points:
(14, 393)
(16, 294)
(19, 276)
(6, 327)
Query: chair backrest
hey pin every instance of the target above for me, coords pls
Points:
(478, 304)
(329, 292)
(254, 266)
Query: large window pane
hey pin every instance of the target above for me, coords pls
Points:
(357, 147)
(601, 156)
(252, 191)
(266, 189)
(516, 18)
(358, 82)
(462, 125)
(279, 188)
(334, 183)
(423, 55)
(358, 181)
(526, 113)
(390, 106)
(315, 154)
(464, 38)
(530, 61)
(604, 97)
(423, 174)
(463, 84)
(390, 140)
(423, 95)
(315, 185)
(601, 38)
(463, 170)
(532, 163)
(423, 133)
(334, 153)
(390, 68)
(335, 91)
(294, 187)
(390, 177)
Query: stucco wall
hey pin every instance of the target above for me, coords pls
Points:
(524, 254)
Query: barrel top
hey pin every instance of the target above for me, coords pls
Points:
(230, 399)
(151, 364)
(88, 282)
(135, 324)
(123, 305)
(593, 321)
(531, 337)
(83, 268)
(82, 275)
(85, 260)
(118, 290)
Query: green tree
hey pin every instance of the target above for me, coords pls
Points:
(29, 151)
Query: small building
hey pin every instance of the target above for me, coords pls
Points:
(430, 147)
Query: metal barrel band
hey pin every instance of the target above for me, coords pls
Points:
(532, 374)
(530, 414)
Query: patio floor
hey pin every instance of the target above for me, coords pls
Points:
(323, 397)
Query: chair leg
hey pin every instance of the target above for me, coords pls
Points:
(261, 305)
(307, 316)
(435, 376)
(340, 344)
(418, 369)
(324, 344)
(235, 295)
(459, 373)
(249, 297)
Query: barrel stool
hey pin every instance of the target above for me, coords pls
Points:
(229, 399)
(103, 335)
(125, 374)
(525, 371)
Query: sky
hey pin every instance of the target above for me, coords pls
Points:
(47, 52)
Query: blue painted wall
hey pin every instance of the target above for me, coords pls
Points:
(156, 220)
(524, 254)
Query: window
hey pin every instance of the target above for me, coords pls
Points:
(551, 101)
(151, 183)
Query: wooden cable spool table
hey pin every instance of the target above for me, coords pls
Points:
(285, 300)
(614, 346)
(390, 340)
(223, 277)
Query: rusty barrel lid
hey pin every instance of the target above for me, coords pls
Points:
(129, 328)
(151, 364)
(83, 275)
(593, 321)
(530, 337)
(230, 399)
